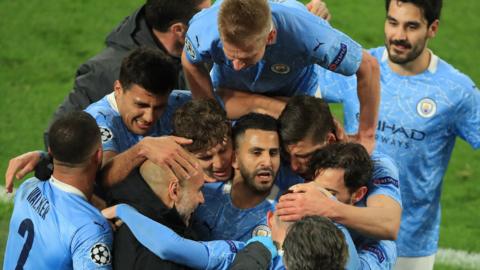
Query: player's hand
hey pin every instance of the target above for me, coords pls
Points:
(20, 166)
(319, 8)
(110, 213)
(305, 200)
(367, 141)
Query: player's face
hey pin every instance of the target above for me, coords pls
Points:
(406, 32)
(333, 181)
(139, 108)
(190, 196)
(300, 154)
(258, 159)
(246, 55)
(217, 161)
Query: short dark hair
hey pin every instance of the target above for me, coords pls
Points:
(149, 68)
(305, 116)
(202, 120)
(351, 157)
(431, 8)
(314, 243)
(253, 121)
(161, 14)
(73, 137)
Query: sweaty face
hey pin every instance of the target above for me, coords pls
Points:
(216, 162)
(406, 32)
(258, 159)
(139, 108)
(300, 154)
(244, 56)
(333, 181)
(190, 196)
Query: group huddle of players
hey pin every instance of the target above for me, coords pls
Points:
(247, 169)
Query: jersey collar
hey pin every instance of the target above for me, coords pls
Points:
(432, 66)
(112, 102)
(66, 187)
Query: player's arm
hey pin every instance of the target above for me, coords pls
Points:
(368, 92)
(198, 78)
(164, 150)
(165, 243)
(239, 103)
(91, 246)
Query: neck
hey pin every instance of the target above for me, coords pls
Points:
(414, 67)
(243, 196)
(168, 41)
(81, 178)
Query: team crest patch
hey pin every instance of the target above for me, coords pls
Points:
(106, 134)
(280, 68)
(426, 108)
(189, 49)
(261, 230)
(100, 254)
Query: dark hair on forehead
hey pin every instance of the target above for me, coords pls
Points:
(253, 121)
(73, 137)
(431, 9)
(353, 158)
(161, 14)
(305, 117)
(149, 68)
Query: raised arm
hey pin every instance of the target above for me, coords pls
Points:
(197, 78)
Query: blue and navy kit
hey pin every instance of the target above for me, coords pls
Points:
(219, 219)
(289, 65)
(116, 137)
(53, 227)
(419, 119)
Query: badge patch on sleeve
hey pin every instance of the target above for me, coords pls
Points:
(385, 181)
(339, 58)
(189, 49)
(100, 254)
(261, 230)
(378, 252)
(106, 134)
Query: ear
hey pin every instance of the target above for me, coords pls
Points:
(49, 151)
(117, 87)
(178, 29)
(331, 138)
(234, 160)
(359, 194)
(433, 29)
(173, 197)
(271, 36)
(269, 219)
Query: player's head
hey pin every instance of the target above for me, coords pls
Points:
(408, 27)
(74, 140)
(182, 194)
(306, 124)
(205, 122)
(147, 77)
(170, 20)
(344, 169)
(257, 156)
(245, 28)
(314, 243)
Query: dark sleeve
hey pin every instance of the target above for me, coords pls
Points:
(255, 256)
(44, 168)
(129, 254)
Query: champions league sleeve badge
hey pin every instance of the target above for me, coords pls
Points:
(426, 108)
(190, 50)
(106, 134)
(100, 254)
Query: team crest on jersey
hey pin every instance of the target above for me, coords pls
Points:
(106, 134)
(189, 49)
(426, 108)
(280, 68)
(100, 254)
(261, 230)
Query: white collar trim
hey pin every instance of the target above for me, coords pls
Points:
(111, 100)
(66, 187)
(432, 66)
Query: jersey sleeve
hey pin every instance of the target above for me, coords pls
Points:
(167, 244)
(353, 261)
(377, 255)
(221, 253)
(385, 180)
(467, 120)
(92, 247)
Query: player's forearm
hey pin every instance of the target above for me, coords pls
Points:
(368, 91)
(239, 103)
(380, 222)
(118, 167)
(197, 78)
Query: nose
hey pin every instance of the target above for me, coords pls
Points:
(294, 164)
(267, 160)
(149, 115)
(201, 199)
(400, 34)
(217, 162)
(237, 64)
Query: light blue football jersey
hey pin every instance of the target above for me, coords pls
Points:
(288, 66)
(219, 219)
(116, 136)
(53, 226)
(419, 118)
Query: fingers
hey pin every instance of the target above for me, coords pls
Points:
(110, 212)
(181, 140)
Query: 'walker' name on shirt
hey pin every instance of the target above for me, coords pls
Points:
(39, 203)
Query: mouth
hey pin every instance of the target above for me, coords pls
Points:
(220, 174)
(265, 176)
(400, 47)
(143, 124)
